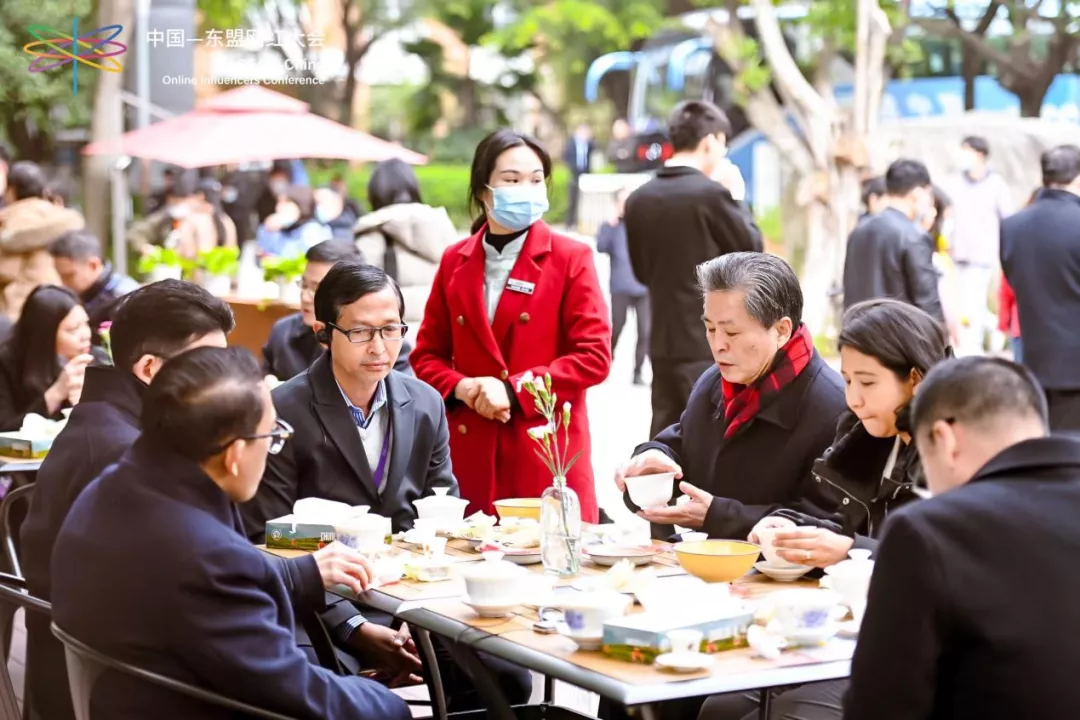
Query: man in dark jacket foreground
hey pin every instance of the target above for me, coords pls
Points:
(887, 254)
(953, 628)
(758, 419)
(152, 566)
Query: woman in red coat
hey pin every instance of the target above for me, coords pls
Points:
(513, 298)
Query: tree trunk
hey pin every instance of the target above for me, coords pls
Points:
(970, 71)
(348, 95)
(1031, 100)
(107, 123)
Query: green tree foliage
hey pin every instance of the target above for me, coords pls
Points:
(34, 106)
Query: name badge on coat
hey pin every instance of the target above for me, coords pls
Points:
(520, 286)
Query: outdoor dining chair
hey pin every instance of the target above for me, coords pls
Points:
(86, 665)
(13, 595)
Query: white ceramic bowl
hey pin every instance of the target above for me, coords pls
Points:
(649, 491)
(366, 533)
(806, 615)
(448, 510)
(767, 536)
(495, 582)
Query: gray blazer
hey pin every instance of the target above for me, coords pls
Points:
(325, 458)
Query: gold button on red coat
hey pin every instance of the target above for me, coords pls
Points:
(504, 375)
(524, 317)
(462, 429)
(460, 319)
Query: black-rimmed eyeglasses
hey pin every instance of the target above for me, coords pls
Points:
(278, 436)
(389, 333)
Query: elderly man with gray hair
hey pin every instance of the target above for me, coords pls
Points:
(758, 418)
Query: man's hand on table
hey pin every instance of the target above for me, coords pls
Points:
(687, 514)
(341, 565)
(393, 652)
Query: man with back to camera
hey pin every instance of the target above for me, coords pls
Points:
(691, 212)
(887, 253)
(1040, 255)
(84, 271)
(152, 566)
(972, 607)
(292, 346)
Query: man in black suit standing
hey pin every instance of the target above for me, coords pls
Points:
(577, 157)
(1040, 254)
(690, 213)
(953, 628)
(887, 253)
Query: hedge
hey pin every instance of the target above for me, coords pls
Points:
(448, 186)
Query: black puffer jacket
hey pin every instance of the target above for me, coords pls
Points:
(852, 471)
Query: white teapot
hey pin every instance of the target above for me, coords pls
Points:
(851, 579)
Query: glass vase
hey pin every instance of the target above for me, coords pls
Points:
(560, 529)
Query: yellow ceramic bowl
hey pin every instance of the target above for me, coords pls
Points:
(518, 508)
(717, 560)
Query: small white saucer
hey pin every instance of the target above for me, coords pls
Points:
(589, 644)
(849, 629)
(782, 574)
(817, 636)
(684, 662)
(490, 611)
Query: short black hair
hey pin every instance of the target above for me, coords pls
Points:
(76, 245)
(163, 319)
(281, 167)
(772, 288)
(346, 283)
(899, 336)
(693, 121)
(393, 182)
(978, 144)
(304, 198)
(903, 176)
(1060, 165)
(204, 399)
(27, 180)
(330, 252)
(184, 185)
(874, 187)
(977, 389)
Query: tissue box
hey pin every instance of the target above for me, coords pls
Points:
(640, 638)
(24, 446)
(310, 536)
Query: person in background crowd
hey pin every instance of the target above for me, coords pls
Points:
(82, 269)
(402, 235)
(886, 349)
(674, 223)
(332, 212)
(151, 324)
(578, 158)
(887, 254)
(159, 533)
(215, 228)
(873, 196)
(770, 396)
(513, 300)
(169, 176)
(939, 224)
(620, 151)
(626, 291)
(43, 363)
(173, 225)
(58, 192)
(981, 200)
(277, 184)
(292, 346)
(293, 229)
(28, 225)
(337, 184)
(1040, 251)
(949, 630)
(1009, 320)
(238, 197)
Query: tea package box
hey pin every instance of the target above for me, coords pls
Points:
(641, 638)
(286, 533)
(24, 446)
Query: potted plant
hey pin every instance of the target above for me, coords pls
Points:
(217, 269)
(286, 273)
(160, 263)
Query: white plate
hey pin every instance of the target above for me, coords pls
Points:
(684, 662)
(817, 636)
(609, 555)
(490, 611)
(523, 558)
(782, 574)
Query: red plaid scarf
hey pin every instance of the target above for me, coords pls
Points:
(743, 402)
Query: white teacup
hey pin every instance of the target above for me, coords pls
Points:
(806, 615)
(766, 537)
(366, 533)
(586, 612)
(685, 641)
(851, 579)
(495, 581)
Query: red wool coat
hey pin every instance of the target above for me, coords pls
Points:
(562, 328)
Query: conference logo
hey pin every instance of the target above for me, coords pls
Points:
(97, 49)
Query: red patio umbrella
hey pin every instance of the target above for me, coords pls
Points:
(250, 124)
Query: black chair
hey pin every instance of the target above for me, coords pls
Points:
(12, 513)
(13, 595)
(85, 666)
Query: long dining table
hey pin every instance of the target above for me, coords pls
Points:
(437, 608)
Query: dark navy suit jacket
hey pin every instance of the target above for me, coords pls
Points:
(152, 568)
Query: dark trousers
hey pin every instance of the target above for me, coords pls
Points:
(671, 385)
(816, 701)
(572, 201)
(1064, 408)
(620, 306)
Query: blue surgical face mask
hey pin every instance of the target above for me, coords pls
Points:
(322, 214)
(516, 207)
